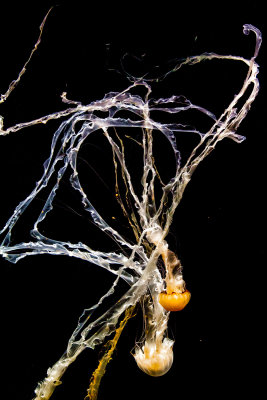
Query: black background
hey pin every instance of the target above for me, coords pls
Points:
(219, 227)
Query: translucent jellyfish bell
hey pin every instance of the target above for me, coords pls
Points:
(155, 359)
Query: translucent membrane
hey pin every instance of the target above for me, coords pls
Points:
(149, 218)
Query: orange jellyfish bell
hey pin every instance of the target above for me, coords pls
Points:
(174, 301)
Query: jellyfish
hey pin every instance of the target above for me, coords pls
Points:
(149, 213)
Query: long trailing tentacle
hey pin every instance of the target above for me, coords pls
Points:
(150, 218)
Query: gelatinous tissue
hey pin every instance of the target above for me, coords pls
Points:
(149, 214)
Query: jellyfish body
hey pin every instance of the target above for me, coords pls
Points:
(155, 359)
(174, 301)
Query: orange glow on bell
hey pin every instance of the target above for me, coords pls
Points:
(174, 301)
